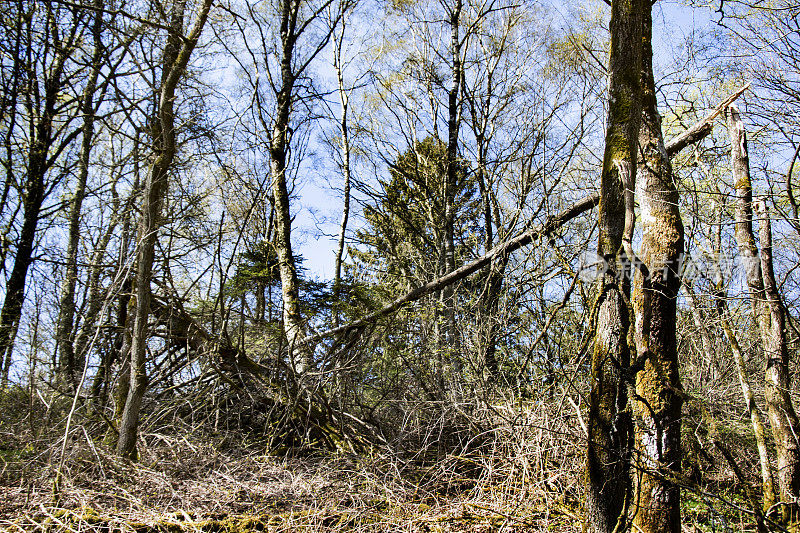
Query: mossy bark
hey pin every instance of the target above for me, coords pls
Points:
(658, 399)
(293, 326)
(780, 409)
(609, 425)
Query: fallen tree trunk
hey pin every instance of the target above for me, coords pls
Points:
(303, 411)
(503, 249)
(692, 135)
(701, 129)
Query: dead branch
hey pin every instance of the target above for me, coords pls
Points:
(701, 129)
(500, 250)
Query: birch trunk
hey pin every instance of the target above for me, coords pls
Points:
(344, 101)
(293, 327)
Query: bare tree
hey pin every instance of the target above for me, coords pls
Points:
(69, 365)
(346, 163)
(177, 52)
(303, 33)
(768, 313)
(39, 114)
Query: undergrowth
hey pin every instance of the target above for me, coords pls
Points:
(192, 477)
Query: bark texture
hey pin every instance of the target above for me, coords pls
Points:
(609, 425)
(780, 409)
(768, 313)
(657, 407)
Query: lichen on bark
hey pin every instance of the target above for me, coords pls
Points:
(609, 425)
(658, 398)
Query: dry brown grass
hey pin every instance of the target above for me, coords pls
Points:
(521, 478)
(516, 467)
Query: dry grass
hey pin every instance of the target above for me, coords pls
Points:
(520, 473)
(189, 479)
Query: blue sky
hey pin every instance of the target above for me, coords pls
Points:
(319, 203)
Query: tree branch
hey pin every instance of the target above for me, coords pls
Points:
(701, 129)
(501, 249)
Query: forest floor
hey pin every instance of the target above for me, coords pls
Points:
(185, 484)
(57, 476)
(179, 486)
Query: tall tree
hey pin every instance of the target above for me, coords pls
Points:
(407, 223)
(609, 424)
(516, 158)
(768, 312)
(403, 236)
(69, 365)
(657, 407)
(756, 416)
(777, 387)
(345, 150)
(287, 61)
(454, 114)
(177, 52)
(40, 108)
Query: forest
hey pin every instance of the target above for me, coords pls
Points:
(399, 266)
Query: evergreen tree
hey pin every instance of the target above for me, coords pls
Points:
(403, 239)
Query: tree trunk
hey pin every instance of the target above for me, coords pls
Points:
(66, 313)
(344, 100)
(176, 56)
(491, 304)
(34, 195)
(657, 408)
(293, 326)
(121, 343)
(294, 329)
(780, 409)
(15, 286)
(756, 417)
(495, 274)
(450, 346)
(768, 313)
(768, 494)
(609, 425)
